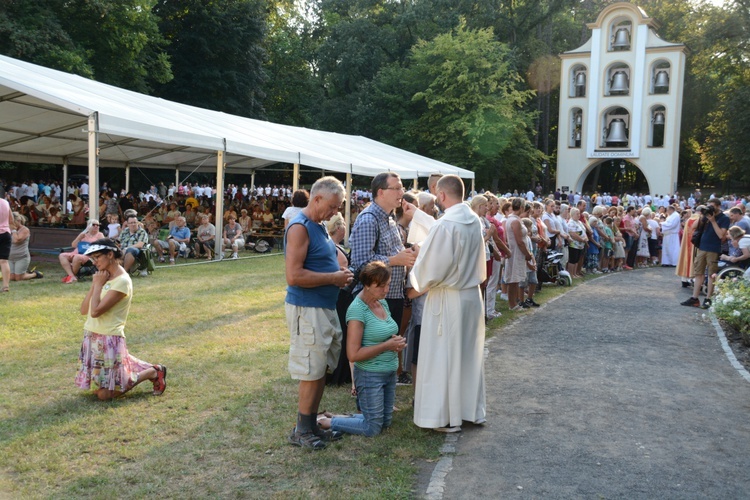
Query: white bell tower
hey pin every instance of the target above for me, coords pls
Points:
(621, 102)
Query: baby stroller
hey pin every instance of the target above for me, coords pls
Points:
(553, 270)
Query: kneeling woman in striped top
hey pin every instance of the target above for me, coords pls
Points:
(372, 345)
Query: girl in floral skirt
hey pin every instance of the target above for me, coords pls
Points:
(105, 366)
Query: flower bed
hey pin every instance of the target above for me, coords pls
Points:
(732, 305)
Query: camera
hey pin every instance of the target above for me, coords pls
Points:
(710, 210)
(355, 280)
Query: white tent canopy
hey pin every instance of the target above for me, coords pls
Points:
(48, 116)
(44, 117)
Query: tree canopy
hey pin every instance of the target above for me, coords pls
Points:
(474, 83)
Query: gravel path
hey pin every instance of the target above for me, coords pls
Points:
(613, 390)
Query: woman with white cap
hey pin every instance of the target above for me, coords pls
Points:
(105, 365)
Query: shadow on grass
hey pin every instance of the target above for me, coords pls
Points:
(61, 411)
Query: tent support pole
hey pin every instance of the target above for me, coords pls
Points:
(219, 217)
(295, 177)
(176, 179)
(127, 178)
(93, 132)
(473, 188)
(415, 185)
(348, 209)
(252, 184)
(64, 192)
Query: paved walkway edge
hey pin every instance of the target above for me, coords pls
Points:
(728, 350)
(436, 486)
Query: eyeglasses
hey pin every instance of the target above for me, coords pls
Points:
(401, 188)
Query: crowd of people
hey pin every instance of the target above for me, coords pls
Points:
(395, 296)
(367, 312)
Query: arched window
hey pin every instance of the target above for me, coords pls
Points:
(615, 128)
(657, 125)
(576, 128)
(661, 73)
(620, 35)
(578, 81)
(617, 80)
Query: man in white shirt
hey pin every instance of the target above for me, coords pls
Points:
(84, 190)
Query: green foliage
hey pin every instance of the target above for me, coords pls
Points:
(732, 303)
(715, 103)
(216, 53)
(291, 87)
(113, 41)
(472, 104)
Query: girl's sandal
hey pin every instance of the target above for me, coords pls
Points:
(5, 289)
(160, 382)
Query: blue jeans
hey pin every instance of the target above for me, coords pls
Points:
(376, 392)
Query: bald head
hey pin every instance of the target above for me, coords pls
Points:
(451, 188)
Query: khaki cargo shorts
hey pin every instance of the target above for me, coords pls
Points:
(315, 341)
(705, 260)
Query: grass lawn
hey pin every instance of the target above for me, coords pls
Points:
(219, 430)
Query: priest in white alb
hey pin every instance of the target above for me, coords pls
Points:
(451, 265)
(670, 246)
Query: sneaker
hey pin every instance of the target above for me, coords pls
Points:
(404, 379)
(69, 280)
(160, 382)
(706, 304)
(306, 440)
(171, 261)
(531, 303)
(627, 268)
(518, 307)
(691, 302)
(504, 296)
(686, 284)
(161, 259)
(235, 256)
(144, 273)
(524, 305)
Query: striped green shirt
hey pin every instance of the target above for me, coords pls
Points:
(376, 331)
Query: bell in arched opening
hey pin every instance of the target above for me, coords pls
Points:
(619, 83)
(621, 40)
(659, 118)
(661, 82)
(581, 79)
(617, 132)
